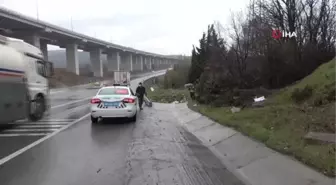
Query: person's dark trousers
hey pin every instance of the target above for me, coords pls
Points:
(141, 101)
(192, 95)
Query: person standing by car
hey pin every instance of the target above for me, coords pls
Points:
(140, 91)
(192, 92)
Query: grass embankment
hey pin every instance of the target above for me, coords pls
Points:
(288, 116)
(169, 88)
(162, 95)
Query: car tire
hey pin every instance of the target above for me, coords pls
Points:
(94, 120)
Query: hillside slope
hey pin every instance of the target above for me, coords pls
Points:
(63, 78)
(308, 105)
(316, 89)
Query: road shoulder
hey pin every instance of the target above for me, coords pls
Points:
(163, 152)
(250, 160)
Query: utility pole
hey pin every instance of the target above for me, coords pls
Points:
(37, 10)
(71, 23)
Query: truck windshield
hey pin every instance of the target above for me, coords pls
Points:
(113, 91)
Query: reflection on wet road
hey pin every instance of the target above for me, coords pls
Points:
(155, 150)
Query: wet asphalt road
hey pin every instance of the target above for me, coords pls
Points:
(155, 150)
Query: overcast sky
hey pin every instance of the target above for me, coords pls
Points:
(159, 26)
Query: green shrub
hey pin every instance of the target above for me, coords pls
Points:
(299, 95)
(318, 101)
(176, 78)
(331, 95)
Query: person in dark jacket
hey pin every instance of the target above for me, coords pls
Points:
(141, 91)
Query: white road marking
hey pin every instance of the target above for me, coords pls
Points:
(56, 120)
(26, 134)
(15, 154)
(30, 130)
(41, 123)
(26, 121)
(40, 126)
(69, 103)
(21, 121)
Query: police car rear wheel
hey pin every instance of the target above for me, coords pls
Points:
(134, 118)
(94, 120)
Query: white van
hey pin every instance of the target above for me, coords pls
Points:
(23, 81)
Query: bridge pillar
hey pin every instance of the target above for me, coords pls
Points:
(126, 62)
(135, 63)
(72, 58)
(33, 39)
(149, 65)
(152, 63)
(113, 61)
(138, 63)
(157, 63)
(130, 62)
(122, 65)
(36, 41)
(96, 62)
(141, 63)
(44, 49)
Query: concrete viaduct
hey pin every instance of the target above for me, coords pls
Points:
(40, 33)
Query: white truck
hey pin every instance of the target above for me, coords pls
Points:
(23, 81)
(122, 77)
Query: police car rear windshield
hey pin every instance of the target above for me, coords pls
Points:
(114, 91)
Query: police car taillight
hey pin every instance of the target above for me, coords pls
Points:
(95, 101)
(128, 100)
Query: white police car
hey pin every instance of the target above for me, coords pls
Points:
(114, 102)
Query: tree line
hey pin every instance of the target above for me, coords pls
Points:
(246, 56)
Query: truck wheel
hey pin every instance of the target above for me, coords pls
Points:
(39, 108)
(94, 120)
